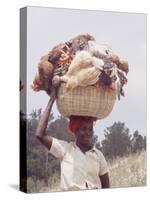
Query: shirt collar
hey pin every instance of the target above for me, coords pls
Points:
(91, 150)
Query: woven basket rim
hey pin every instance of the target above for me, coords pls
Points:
(87, 101)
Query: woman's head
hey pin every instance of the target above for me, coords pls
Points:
(82, 127)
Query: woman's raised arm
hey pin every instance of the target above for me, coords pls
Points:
(42, 125)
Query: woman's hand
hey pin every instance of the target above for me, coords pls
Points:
(56, 81)
(55, 85)
(105, 180)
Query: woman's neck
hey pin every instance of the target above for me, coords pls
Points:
(84, 148)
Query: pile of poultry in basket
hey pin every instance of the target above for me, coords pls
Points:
(81, 62)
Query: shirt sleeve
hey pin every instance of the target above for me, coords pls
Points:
(103, 165)
(58, 148)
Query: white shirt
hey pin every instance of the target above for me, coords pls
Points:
(78, 170)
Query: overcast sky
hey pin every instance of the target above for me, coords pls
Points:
(124, 32)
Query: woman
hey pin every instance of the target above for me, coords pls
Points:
(82, 165)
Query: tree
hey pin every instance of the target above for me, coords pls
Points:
(117, 140)
(138, 142)
(145, 142)
(59, 129)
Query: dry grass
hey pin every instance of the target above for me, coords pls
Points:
(40, 186)
(124, 172)
(128, 171)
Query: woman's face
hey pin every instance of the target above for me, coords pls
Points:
(84, 134)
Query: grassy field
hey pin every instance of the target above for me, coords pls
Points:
(128, 171)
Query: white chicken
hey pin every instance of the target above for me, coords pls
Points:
(83, 71)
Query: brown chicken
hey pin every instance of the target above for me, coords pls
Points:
(37, 84)
(124, 66)
(45, 69)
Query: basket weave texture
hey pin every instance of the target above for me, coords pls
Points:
(85, 101)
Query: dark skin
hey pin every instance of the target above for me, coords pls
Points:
(84, 140)
(84, 135)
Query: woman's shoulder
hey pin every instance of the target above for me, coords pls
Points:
(64, 142)
(98, 152)
(59, 147)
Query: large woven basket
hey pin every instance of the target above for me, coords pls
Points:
(86, 101)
